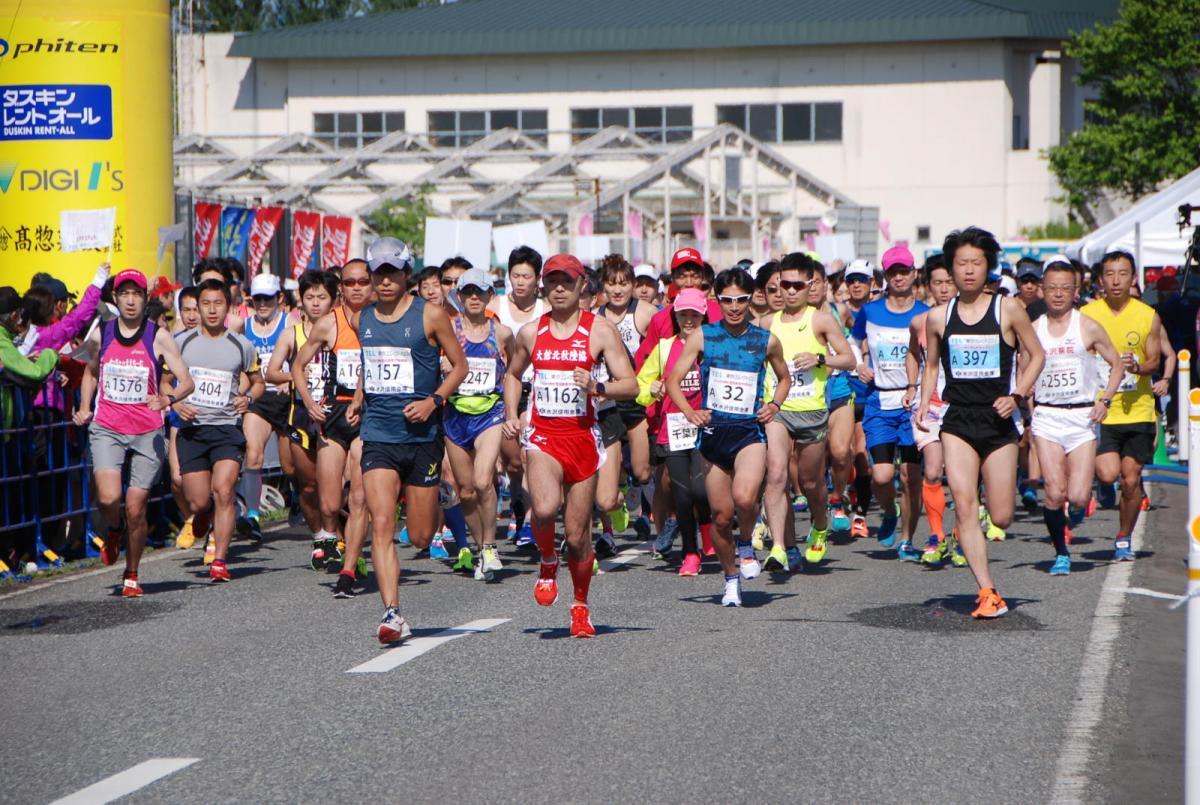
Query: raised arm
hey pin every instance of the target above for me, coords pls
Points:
(693, 348)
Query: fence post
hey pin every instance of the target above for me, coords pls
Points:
(1183, 380)
(1192, 696)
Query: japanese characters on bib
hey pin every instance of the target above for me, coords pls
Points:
(387, 370)
(214, 387)
(126, 383)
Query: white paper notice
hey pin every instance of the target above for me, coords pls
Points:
(529, 233)
(87, 229)
(449, 237)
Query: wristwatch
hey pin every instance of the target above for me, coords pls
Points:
(439, 400)
(599, 388)
(1107, 401)
(821, 359)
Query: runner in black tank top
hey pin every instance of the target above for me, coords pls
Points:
(974, 337)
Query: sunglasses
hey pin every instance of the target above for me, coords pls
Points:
(793, 285)
(262, 300)
(360, 283)
(771, 289)
(704, 286)
(448, 282)
(734, 300)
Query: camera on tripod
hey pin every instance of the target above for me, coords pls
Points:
(1185, 220)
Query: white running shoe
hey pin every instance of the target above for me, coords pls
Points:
(733, 593)
(490, 562)
(749, 567)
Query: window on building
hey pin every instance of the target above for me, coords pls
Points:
(455, 129)
(349, 130)
(660, 124)
(786, 122)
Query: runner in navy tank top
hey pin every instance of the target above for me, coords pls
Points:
(401, 396)
(562, 444)
(973, 340)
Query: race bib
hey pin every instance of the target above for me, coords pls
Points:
(889, 350)
(1061, 379)
(681, 434)
(126, 384)
(731, 391)
(348, 361)
(214, 387)
(481, 377)
(973, 357)
(556, 395)
(803, 386)
(387, 370)
(314, 377)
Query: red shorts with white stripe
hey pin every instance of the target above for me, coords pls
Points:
(579, 453)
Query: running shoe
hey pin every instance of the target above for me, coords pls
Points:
(437, 548)
(465, 560)
(581, 622)
(393, 628)
(934, 554)
(990, 604)
(733, 592)
(691, 565)
(604, 545)
(957, 557)
(1075, 516)
(254, 529)
(344, 588)
(1061, 566)
(1067, 535)
(402, 537)
(619, 517)
(1029, 499)
(816, 545)
(360, 569)
(511, 533)
(839, 520)
(111, 551)
(130, 587)
(545, 591)
(907, 553)
(1145, 504)
(489, 562)
(1123, 550)
(1106, 494)
(777, 559)
(858, 526)
(525, 537)
(748, 564)
(210, 549)
(990, 530)
(642, 527)
(666, 539)
(795, 559)
(758, 539)
(800, 503)
(887, 527)
(217, 572)
(186, 537)
(1091, 507)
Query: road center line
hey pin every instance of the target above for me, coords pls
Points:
(625, 557)
(1071, 772)
(1152, 593)
(128, 781)
(417, 646)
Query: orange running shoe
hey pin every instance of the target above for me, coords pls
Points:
(581, 622)
(545, 592)
(217, 572)
(1067, 535)
(111, 551)
(1145, 503)
(1091, 507)
(130, 587)
(858, 526)
(991, 605)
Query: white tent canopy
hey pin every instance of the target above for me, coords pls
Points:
(1148, 229)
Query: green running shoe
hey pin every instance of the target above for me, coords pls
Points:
(360, 568)
(934, 554)
(759, 538)
(465, 561)
(619, 517)
(817, 543)
(990, 530)
(957, 558)
(777, 559)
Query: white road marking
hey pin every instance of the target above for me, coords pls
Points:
(157, 556)
(1152, 593)
(128, 781)
(625, 557)
(417, 646)
(1071, 772)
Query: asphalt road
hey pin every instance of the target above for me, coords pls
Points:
(864, 680)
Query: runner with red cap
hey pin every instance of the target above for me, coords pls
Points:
(128, 422)
(562, 444)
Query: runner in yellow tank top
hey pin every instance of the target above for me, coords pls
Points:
(805, 335)
(1127, 433)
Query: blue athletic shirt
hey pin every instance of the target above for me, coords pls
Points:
(732, 371)
(887, 338)
(399, 366)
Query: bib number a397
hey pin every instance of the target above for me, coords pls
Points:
(974, 357)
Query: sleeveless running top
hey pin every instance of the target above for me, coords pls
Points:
(342, 376)
(480, 392)
(557, 404)
(399, 366)
(316, 374)
(505, 314)
(627, 327)
(264, 345)
(129, 373)
(1069, 376)
(732, 371)
(976, 359)
(807, 392)
(936, 399)
(1128, 331)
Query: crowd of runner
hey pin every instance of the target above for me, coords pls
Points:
(711, 410)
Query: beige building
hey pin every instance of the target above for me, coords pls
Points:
(934, 115)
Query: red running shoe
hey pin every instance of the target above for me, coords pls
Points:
(545, 592)
(130, 587)
(581, 622)
(111, 551)
(1145, 505)
(218, 572)
(1067, 534)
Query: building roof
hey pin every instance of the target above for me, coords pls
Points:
(494, 27)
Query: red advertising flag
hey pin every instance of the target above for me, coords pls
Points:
(304, 239)
(208, 223)
(266, 221)
(335, 241)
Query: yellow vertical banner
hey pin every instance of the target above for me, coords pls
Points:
(85, 123)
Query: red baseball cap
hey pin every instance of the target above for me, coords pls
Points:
(685, 256)
(130, 275)
(566, 263)
(162, 285)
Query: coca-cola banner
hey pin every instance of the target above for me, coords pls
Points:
(208, 223)
(266, 221)
(335, 241)
(304, 239)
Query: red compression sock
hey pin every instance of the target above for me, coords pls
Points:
(581, 577)
(544, 537)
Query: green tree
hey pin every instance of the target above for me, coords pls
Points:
(1144, 128)
(264, 15)
(404, 219)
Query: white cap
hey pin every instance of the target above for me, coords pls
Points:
(290, 284)
(753, 269)
(860, 268)
(264, 285)
(1009, 285)
(645, 271)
